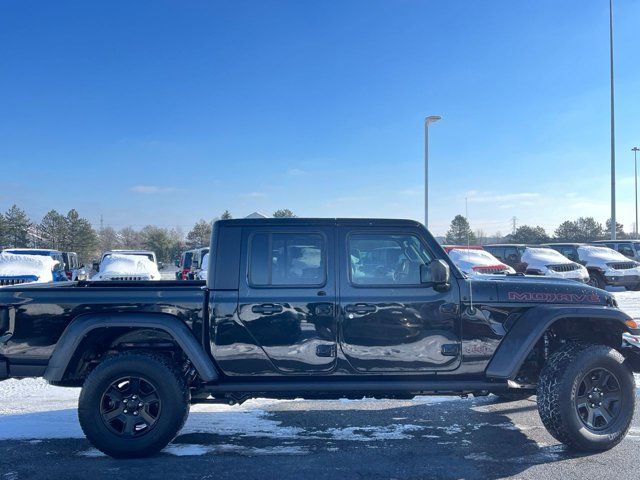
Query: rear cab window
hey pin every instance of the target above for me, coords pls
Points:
(287, 259)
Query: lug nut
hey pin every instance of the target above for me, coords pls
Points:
(135, 413)
(126, 411)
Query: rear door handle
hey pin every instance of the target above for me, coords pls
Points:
(267, 308)
(360, 308)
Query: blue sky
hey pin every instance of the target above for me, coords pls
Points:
(166, 112)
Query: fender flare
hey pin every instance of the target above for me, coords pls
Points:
(529, 328)
(82, 325)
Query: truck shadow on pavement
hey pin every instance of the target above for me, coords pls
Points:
(479, 438)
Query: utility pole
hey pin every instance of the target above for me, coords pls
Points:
(514, 221)
(635, 161)
(613, 127)
(427, 121)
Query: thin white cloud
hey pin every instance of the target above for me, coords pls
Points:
(254, 195)
(151, 189)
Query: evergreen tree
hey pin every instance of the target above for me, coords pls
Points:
(3, 232)
(620, 233)
(81, 237)
(527, 234)
(159, 240)
(53, 229)
(226, 215)
(283, 213)
(567, 231)
(460, 232)
(200, 235)
(16, 228)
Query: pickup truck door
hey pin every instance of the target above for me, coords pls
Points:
(388, 320)
(287, 298)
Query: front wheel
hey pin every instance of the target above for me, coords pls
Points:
(596, 279)
(133, 405)
(586, 396)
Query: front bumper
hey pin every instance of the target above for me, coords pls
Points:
(622, 280)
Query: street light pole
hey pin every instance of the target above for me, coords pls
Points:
(427, 121)
(635, 161)
(613, 135)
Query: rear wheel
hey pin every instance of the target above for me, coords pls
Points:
(586, 396)
(133, 405)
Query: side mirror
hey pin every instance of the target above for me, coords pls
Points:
(436, 273)
(160, 265)
(177, 263)
(96, 266)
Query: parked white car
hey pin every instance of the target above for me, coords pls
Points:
(605, 265)
(18, 269)
(551, 263)
(475, 261)
(128, 265)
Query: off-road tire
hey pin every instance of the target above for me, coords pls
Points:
(512, 395)
(596, 279)
(558, 388)
(171, 390)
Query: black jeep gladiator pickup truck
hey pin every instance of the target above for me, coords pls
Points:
(322, 308)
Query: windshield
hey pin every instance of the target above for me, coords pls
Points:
(148, 256)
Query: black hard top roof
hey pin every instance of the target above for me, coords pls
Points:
(378, 222)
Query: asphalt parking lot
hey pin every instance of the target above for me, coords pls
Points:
(477, 438)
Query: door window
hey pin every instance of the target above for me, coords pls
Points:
(386, 259)
(280, 259)
(626, 250)
(511, 255)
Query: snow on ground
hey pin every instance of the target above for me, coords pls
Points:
(32, 410)
(629, 302)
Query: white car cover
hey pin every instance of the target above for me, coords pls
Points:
(467, 258)
(202, 274)
(19, 265)
(127, 267)
(540, 259)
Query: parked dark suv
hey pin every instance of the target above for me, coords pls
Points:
(509, 253)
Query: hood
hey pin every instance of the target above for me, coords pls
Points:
(597, 254)
(119, 265)
(541, 257)
(26, 268)
(538, 290)
(479, 262)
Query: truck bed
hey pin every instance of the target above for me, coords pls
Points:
(39, 313)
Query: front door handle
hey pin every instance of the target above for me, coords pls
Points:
(360, 308)
(267, 308)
